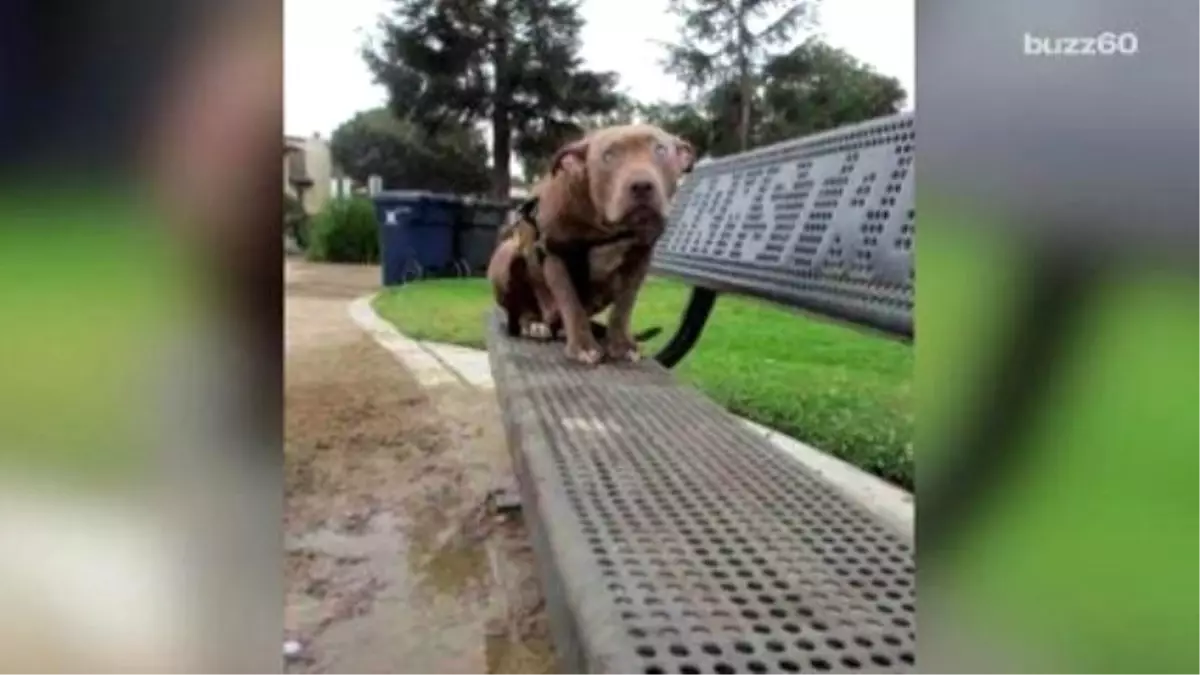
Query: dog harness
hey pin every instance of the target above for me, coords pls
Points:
(574, 255)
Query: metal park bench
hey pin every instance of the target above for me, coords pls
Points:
(670, 538)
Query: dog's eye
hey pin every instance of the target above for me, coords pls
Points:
(661, 150)
(608, 156)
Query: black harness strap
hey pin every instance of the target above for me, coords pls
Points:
(574, 255)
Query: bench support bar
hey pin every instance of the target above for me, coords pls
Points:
(691, 326)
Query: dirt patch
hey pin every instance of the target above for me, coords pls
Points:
(395, 562)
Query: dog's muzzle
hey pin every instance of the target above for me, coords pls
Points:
(644, 215)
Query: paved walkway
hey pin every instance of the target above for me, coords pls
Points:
(394, 561)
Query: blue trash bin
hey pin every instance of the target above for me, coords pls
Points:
(478, 228)
(432, 235)
(416, 234)
(394, 212)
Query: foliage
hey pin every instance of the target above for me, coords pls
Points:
(345, 231)
(722, 106)
(815, 87)
(730, 41)
(811, 88)
(626, 111)
(683, 120)
(407, 157)
(513, 64)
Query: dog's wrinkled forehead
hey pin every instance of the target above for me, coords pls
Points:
(604, 149)
(610, 146)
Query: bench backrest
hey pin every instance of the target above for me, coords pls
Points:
(824, 223)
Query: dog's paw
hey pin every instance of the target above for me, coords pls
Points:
(619, 349)
(540, 331)
(588, 354)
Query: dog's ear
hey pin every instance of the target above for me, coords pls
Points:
(685, 155)
(571, 157)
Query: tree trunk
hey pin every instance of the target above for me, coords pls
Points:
(744, 118)
(501, 125)
(745, 89)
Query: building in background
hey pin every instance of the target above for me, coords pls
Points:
(308, 170)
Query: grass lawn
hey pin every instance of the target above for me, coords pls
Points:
(846, 392)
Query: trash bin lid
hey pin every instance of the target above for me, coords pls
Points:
(444, 198)
(401, 196)
(492, 203)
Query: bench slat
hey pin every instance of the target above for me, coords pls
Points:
(669, 538)
(825, 223)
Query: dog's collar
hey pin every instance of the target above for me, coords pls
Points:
(528, 211)
(563, 249)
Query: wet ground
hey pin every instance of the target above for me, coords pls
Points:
(396, 560)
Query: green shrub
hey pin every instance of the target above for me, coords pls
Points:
(345, 231)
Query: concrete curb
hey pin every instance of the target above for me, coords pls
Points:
(435, 364)
(885, 500)
(424, 366)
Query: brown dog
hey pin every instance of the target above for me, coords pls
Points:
(599, 214)
(517, 289)
(520, 287)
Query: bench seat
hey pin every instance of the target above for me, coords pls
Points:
(671, 539)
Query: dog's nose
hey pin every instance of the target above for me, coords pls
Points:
(641, 190)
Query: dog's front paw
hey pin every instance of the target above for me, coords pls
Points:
(586, 352)
(622, 348)
(540, 331)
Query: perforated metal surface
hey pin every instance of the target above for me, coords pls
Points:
(824, 223)
(672, 540)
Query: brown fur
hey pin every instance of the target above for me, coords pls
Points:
(520, 288)
(589, 196)
(517, 284)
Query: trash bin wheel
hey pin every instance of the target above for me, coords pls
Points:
(413, 271)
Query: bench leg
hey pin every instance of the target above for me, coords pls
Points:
(989, 453)
(690, 327)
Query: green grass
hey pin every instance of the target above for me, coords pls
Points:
(841, 390)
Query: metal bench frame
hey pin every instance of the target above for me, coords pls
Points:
(787, 228)
(670, 538)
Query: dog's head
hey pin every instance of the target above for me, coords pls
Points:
(631, 171)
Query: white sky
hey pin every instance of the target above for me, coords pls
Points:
(326, 81)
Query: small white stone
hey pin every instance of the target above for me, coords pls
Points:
(292, 648)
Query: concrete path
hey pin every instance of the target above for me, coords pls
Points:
(395, 562)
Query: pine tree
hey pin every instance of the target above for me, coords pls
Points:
(725, 42)
(513, 65)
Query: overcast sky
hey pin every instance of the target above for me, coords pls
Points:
(326, 82)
